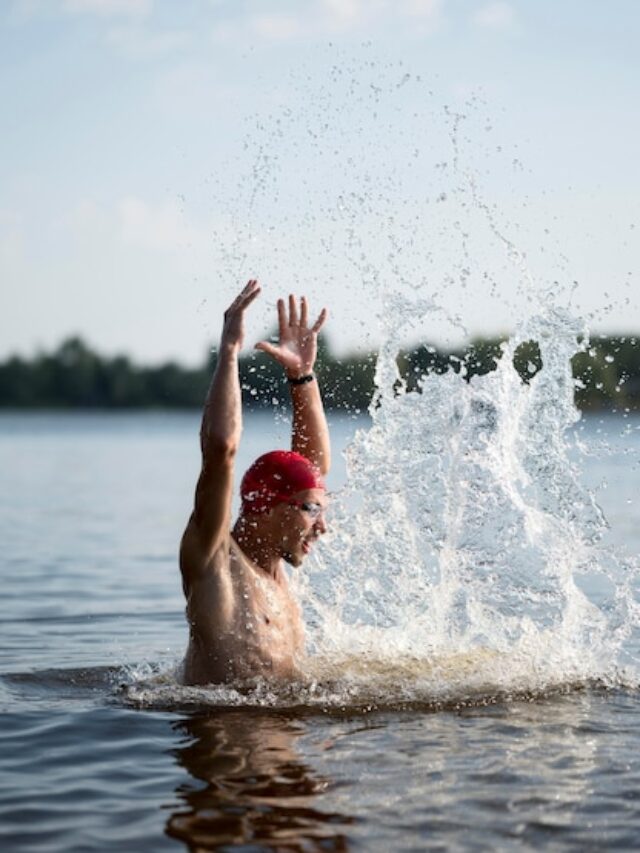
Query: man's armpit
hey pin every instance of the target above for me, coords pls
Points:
(195, 560)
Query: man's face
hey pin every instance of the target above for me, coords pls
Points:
(300, 523)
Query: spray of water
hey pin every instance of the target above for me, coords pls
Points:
(465, 553)
(459, 537)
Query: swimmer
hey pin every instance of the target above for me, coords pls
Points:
(243, 619)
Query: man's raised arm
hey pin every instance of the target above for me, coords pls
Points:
(296, 352)
(219, 439)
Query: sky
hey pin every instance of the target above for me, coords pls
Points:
(432, 169)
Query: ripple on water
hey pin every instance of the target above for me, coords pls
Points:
(65, 775)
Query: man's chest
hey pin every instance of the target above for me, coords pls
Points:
(267, 610)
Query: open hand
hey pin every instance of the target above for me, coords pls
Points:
(233, 328)
(298, 345)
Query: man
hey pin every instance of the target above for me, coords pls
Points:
(243, 619)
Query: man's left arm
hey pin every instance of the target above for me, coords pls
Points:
(296, 352)
(310, 433)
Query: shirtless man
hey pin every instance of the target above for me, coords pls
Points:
(243, 619)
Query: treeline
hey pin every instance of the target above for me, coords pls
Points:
(607, 375)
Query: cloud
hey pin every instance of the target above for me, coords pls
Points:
(277, 27)
(187, 90)
(423, 8)
(345, 14)
(137, 43)
(109, 8)
(354, 15)
(22, 11)
(322, 18)
(498, 15)
(160, 228)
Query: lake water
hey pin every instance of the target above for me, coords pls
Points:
(92, 507)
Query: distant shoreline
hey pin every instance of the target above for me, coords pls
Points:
(74, 377)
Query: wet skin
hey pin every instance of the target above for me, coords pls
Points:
(243, 619)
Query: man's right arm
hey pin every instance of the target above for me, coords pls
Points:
(208, 528)
(296, 352)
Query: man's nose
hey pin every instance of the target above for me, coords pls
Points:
(321, 524)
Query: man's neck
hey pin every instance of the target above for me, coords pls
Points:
(253, 545)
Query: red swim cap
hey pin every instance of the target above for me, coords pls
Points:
(275, 477)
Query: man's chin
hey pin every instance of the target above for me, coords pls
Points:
(294, 560)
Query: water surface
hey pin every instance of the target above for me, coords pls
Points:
(91, 510)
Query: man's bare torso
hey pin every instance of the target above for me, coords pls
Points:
(242, 622)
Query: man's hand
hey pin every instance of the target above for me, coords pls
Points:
(298, 345)
(233, 327)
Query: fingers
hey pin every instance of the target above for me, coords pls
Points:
(247, 290)
(297, 318)
(246, 296)
(282, 318)
(249, 299)
(249, 293)
(265, 346)
(319, 323)
(293, 311)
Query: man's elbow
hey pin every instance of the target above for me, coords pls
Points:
(323, 463)
(218, 447)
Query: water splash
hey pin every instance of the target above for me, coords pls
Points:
(465, 552)
(465, 560)
(465, 524)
